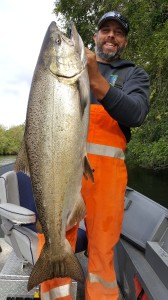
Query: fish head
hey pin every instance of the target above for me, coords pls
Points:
(64, 56)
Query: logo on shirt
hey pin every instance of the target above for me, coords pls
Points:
(113, 79)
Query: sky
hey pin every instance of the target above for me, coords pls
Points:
(23, 24)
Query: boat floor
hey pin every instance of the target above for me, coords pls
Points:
(14, 276)
(4, 254)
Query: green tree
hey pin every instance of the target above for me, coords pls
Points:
(2, 140)
(10, 139)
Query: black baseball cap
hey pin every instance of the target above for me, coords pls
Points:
(115, 15)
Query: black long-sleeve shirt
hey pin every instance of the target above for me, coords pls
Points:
(127, 101)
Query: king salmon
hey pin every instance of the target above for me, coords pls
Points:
(53, 151)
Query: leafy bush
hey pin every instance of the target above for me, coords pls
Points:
(10, 139)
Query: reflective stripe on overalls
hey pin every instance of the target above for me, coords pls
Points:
(104, 150)
(95, 278)
(104, 202)
(55, 293)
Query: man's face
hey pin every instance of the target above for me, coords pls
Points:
(110, 41)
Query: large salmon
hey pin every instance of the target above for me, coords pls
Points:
(54, 149)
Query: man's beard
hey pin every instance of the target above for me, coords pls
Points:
(108, 56)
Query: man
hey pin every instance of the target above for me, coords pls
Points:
(119, 100)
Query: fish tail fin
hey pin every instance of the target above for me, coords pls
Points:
(64, 265)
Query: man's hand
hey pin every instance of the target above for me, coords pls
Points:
(92, 64)
(98, 83)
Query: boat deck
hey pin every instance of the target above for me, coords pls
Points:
(14, 276)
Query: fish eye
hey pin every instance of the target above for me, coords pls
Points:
(58, 40)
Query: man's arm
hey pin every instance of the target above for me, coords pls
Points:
(128, 106)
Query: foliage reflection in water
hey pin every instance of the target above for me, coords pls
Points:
(152, 184)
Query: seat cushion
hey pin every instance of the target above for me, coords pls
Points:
(9, 179)
(26, 195)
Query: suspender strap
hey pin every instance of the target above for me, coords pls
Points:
(104, 150)
(95, 278)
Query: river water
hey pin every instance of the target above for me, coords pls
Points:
(152, 184)
(5, 160)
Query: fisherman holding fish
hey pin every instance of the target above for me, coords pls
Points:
(119, 101)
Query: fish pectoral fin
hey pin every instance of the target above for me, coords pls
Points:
(88, 171)
(46, 267)
(78, 213)
(21, 163)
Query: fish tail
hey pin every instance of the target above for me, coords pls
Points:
(65, 265)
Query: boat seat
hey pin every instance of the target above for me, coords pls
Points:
(18, 214)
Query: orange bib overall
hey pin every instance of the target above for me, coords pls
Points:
(104, 202)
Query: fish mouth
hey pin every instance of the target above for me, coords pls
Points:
(67, 79)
